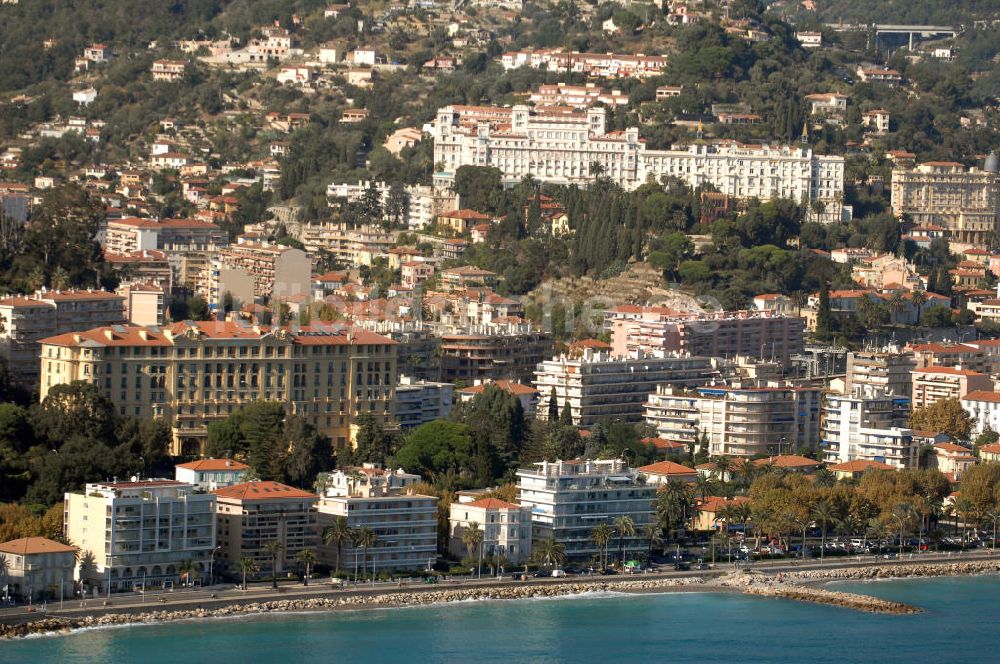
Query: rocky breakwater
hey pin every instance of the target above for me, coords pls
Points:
(352, 601)
(898, 571)
(762, 585)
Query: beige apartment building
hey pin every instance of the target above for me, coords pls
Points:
(139, 531)
(966, 203)
(37, 568)
(28, 319)
(252, 514)
(271, 270)
(484, 352)
(130, 234)
(932, 384)
(195, 373)
(737, 421)
(885, 371)
(761, 334)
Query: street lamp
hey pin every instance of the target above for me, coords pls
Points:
(211, 565)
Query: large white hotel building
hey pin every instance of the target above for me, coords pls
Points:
(562, 146)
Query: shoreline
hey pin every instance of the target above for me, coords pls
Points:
(802, 585)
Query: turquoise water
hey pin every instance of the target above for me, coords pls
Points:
(956, 627)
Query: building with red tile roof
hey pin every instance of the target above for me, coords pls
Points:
(506, 528)
(663, 471)
(857, 468)
(34, 565)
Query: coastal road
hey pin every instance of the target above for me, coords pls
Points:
(225, 594)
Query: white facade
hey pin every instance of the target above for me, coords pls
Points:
(569, 498)
(141, 530)
(211, 474)
(867, 427)
(561, 147)
(597, 385)
(404, 522)
(984, 409)
(506, 529)
(421, 401)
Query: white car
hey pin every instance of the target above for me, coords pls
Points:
(559, 573)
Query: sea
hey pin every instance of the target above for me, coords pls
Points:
(957, 625)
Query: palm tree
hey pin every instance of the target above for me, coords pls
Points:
(273, 549)
(964, 509)
(247, 566)
(185, 569)
(308, 558)
(472, 538)
(704, 487)
(878, 530)
(624, 527)
(724, 468)
(918, 298)
(601, 536)
(653, 532)
(994, 516)
(365, 538)
(550, 552)
(338, 532)
(823, 513)
(897, 302)
(903, 513)
(824, 478)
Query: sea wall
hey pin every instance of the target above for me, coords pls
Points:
(898, 571)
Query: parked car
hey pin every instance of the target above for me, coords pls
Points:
(682, 567)
(559, 573)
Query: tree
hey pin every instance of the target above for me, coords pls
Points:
(336, 534)
(436, 449)
(247, 566)
(550, 552)
(824, 319)
(653, 532)
(365, 538)
(472, 538)
(553, 407)
(273, 549)
(601, 536)
(308, 558)
(824, 514)
(76, 409)
(624, 527)
(943, 416)
(374, 444)
(185, 569)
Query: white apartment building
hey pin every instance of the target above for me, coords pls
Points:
(140, 530)
(421, 203)
(506, 528)
(211, 474)
(966, 203)
(404, 522)
(984, 408)
(250, 270)
(597, 385)
(932, 384)
(737, 421)
(421, 401)
(602, 65)
(867, 426)
(568, 499)
(562, 146)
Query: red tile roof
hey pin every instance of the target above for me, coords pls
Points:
(982, 395)
(859, 466)
(27, 546)
(508, 386)
(668, 468)
(213, 464)
(788, 461)
(493, 504)
(257, 491)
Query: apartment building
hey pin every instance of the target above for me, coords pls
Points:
(250, 270)
(140, 531)
(405, 522)
(966, 203)
(597, 384)
(124, 236)
(253, 514)
(506, 528)
(28, 319)
(983, 406)
(211, 474)
(761, 334)
(975, 356)
(420, 401)
(483, 352)
(568, 498)
(737, 421)
(886, 371)
(573, 147)
(467, 276)
(576, 96)
(145, 303)
(932, 384)
(195, 373)
(867, 425)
